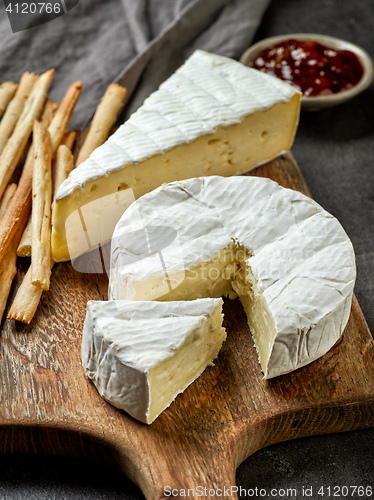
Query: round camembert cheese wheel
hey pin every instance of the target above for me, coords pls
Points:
(289, 261)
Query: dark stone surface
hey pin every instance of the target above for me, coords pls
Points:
(335, 150)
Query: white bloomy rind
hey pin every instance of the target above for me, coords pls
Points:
(299, 262)
(207, 92)
(128, 350)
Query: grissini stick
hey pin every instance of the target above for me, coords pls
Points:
(103, 120)
(7, 91)
(49, 110)
(28, 295)
(7, 196)
(41, 208)
(15, 107)
(22, 131)
(21, 201)
(8, 265)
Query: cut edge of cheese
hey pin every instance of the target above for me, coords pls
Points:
(259, 318)
(270, 344)
(141, 355)
(225, 275)
(208, 279)
(199, 350)
(232, 278)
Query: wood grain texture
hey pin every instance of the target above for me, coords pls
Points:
(47, 406)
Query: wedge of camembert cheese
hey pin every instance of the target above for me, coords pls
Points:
(213, 116)
(141, 355)
(290, 262)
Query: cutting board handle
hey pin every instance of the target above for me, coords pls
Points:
(194, 476)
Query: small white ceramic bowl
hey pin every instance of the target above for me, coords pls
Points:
(318, 102)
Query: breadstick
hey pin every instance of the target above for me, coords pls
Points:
(28, 295)
(18, 207)
(24, 247)
(21, 133)
(21, 201)
(7, 91)
(8, 267)
(15, 107)
(7, 196)
(69, 138)
(41, 208)
(49, 111)
(60, 120)
(103, 120)
(64, 164)
(26, 300)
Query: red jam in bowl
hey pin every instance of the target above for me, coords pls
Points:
(312, 68)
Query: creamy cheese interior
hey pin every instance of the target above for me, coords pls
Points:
(209, 279)
(174, 374)
(227, 274)
(258, 138)
(259, 318)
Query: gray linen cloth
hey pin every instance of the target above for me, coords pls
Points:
(137, 42)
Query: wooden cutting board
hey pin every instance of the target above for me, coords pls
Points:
(47, 405)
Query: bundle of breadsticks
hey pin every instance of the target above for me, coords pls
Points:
(26, 205)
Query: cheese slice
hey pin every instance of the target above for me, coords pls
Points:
(290, 262)
(141, 355)
(213, 116)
